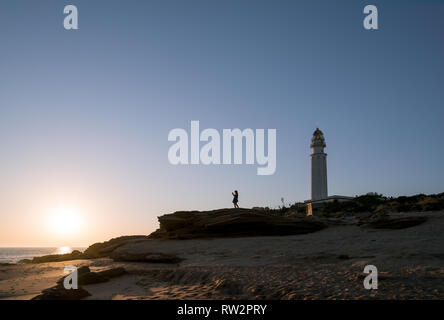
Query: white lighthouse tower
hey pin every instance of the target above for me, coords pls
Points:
(318, 167)
(319, 191)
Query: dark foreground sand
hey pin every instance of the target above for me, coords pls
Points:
(327, 264)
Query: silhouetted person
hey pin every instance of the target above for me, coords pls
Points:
(235, 198)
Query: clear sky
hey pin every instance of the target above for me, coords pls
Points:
(85, 114)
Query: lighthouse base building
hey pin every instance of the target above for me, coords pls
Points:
(318, 161)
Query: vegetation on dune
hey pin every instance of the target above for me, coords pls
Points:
(368, 203)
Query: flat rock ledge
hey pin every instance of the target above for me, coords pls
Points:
(152, 257)
(231, 223)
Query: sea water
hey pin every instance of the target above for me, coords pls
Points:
(14, 255)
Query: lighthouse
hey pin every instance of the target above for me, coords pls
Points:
(318, 167)
(318, 161)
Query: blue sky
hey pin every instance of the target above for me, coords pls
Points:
(85, 114)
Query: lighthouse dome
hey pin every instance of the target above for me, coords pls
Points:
(318, 139)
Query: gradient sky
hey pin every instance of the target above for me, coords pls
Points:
(85, 114)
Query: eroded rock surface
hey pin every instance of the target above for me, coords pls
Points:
(231, 223)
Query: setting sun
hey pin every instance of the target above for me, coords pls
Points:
(65, 221)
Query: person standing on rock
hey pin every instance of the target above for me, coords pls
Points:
(235, 198)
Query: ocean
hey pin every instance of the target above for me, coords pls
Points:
(14, 255)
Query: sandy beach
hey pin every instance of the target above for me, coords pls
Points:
(327, 264)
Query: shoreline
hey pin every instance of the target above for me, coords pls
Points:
(18, 255)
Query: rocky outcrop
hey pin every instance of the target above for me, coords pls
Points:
(58, 292)
(75, 255)
(97, 250)
(104, 249)
(85, 277)
(113, 272)
(231, 223)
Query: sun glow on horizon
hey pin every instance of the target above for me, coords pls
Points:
(64, 250)
(65, 221)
